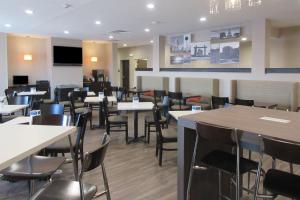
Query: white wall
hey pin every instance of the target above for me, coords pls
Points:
(138, 52)
(3, 63)
(64, 75)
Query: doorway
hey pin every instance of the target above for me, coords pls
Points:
(125, 74)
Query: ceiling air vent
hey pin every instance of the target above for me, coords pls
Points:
(118, 32)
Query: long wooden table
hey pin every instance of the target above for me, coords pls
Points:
(266, 122)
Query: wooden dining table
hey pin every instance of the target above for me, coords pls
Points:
(257, 121)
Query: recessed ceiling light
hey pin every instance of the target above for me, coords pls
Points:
(244, 39)
(7, 25)
(124, 45)
(111, 37)
(203, 19)
(97, 22)
(29, 12)
(151, 41)
(66, 32)
(147, 30)
(150, 6)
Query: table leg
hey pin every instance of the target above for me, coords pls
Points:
(74, 158)
(101, 119)
(0, 118)
(136, 137)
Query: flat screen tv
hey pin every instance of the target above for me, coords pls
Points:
(67, 56)
(20, 80)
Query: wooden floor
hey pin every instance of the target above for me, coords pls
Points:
(132, 170)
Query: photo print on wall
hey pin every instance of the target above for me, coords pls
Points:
(200, 51)
(180, 49)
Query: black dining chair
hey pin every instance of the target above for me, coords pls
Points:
(158, 97)
(115, 123)
(219, 102)
(52, 109)
(230, 163)
(37, 167)
(244, 102)
(177, 101)
(68, 189)
(63, 146)
(279, 182)
(164, 136)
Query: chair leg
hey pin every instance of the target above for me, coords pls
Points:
(31, 187)
(257, 180)
(108, 128)
(149, 129)
(220, 184)
(188, 192)
(250, 155)
(105, 182)
(126, 134)
(156, 147)
(160, 153)
(145, 130)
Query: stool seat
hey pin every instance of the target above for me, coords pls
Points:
(227, 162)
(282, 183)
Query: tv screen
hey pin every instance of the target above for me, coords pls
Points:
(67, 56)
(20, 80)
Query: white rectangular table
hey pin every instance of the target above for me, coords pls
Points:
(36, 93)
(97, 100)
(136, 107)
(19, 141)
(91, 94)
(8, 109)
(19, 120)
(181, 113)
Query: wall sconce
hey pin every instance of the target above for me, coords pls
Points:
(94, 59)
(27, 57)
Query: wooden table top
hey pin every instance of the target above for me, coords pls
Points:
(266, 122)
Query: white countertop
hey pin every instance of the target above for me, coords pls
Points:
(8, 109)
(19, 141)
(135, 106)
(177, 114)
(18, 120)
(2, 98)
(97, 99)
(36, 93)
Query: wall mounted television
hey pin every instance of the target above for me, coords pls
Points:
(67, 56)
(20, 80)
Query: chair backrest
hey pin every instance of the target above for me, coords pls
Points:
(52, 109)
(217, 134)
(18, 100)
(158, 95)
(105, 108)
(44, 85)
(282, 150)
(9, 93)
(217, 102)
(52, 120)
(175, 95)
(244, 102)
(96, 87)
(95, 158)
(62, 94)
(77, 96)
(81, 128)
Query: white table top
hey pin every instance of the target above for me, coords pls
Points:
(91, 94)
(177, 114)
(18, 120)
(36, 93)
(135, 106)
(97, 99)
(19, 141)
(2, 98)
(8, 109)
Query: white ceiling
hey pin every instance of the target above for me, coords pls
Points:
(50, 18)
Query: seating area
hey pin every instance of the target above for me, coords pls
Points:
(150, 100)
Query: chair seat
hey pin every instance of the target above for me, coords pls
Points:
(282, 183)
(150, 120)
(81, 110)
(227, 162)
(113, 110)
(79, 104)
(169, 136)
(118, 119)
(182, 107)
(65, 190)
(34, 167)
(48, 101)
(62, 145)
(65, 103)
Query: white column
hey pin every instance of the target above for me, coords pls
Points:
(114, 72)
(158, 52)
(261, 30)
(3, 63)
